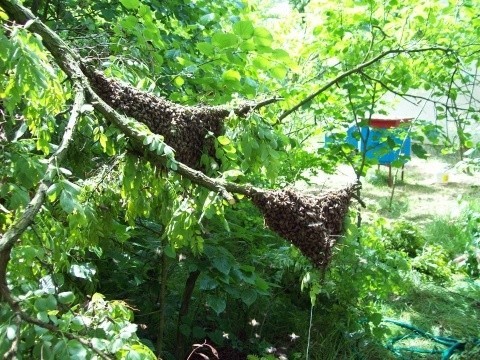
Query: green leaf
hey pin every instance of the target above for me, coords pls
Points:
(198, 332)
(279, 72)
(103, 141)
(100, 344)
(244, 29)
(83, 271)
(45, 304)
(217, 304)
(231, 75)
(116, 345)
(206, 48)
(76, 350)
(3, 16)
(179, 81)
(129, 23)
(185, 329)
(53, 191)
(78, 323)
(261, 285)
(419, 151)
(60, 349)
(222, 264)
(134, 355)
(205, 19)
(172, 165)
(66, 297)
(249, 296)
(72, 188)
(261, 62)
(376, 318)
(42, 316)
(262, 36)
(147, 140)
(130, 4)
(168, 152)
(223, 140)
(170, 251)
(224, 40)
(50, 302)
(207, 283)
(67, 202)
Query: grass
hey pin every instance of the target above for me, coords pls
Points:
(393, 208)
(442, 311)
(452, 311)
(450, 308)
(450, 233)
(448, 217)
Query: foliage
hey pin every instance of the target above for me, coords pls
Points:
(433, 262)
(363, 260)
(450, 232)
(403, 236)
(459, 237)
(126, 258)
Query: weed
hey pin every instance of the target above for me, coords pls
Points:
(394, 208)
(433, 262)
(380, 178)
(403, 236)
(449, 233)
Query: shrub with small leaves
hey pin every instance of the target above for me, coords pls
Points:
(433, 262)
(403, 236)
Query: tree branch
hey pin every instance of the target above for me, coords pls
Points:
(18, 227)
(28, 319)
(246, 108)
(357, 69)
(405, 96)
(70, 63)
(14, 232)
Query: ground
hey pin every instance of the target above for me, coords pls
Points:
(429, 188)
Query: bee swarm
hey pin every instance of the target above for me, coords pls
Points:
(185, 128)
(312, 223)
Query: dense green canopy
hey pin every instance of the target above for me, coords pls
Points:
(135, 133)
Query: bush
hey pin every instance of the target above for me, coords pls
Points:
(433, 262)
(403, 236)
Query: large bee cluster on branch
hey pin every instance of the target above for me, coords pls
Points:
(312, 223)
(185, 128)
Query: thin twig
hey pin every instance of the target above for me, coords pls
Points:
(357, 69)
